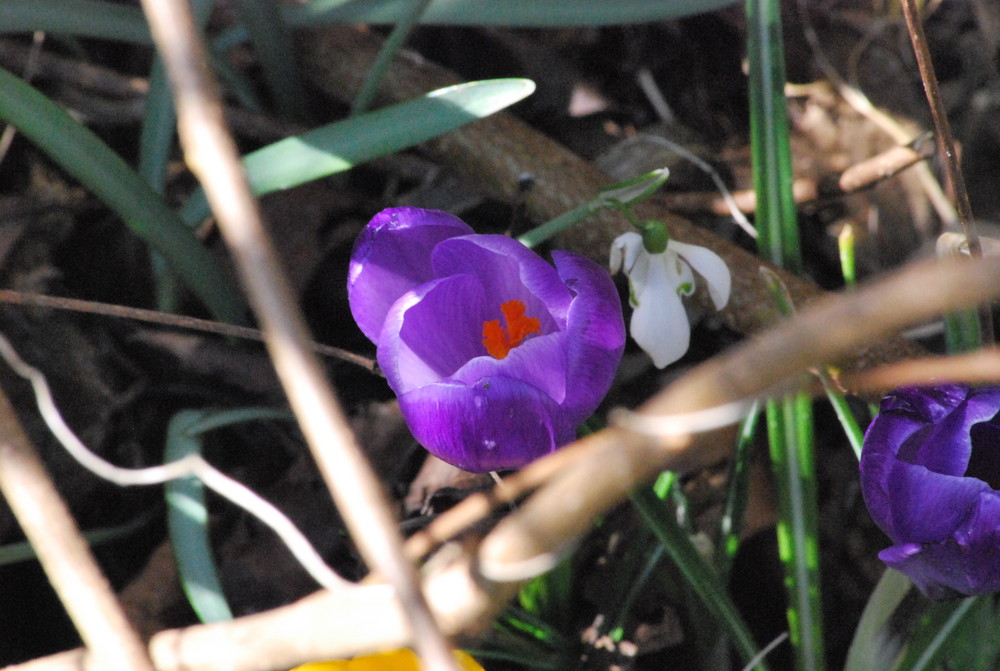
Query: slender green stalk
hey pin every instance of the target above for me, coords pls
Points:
(789, 421)
(846, 246)
(730, 521)
(778, 235)
(272, 41)
(621, 196)
(376, 73)
(701, 578)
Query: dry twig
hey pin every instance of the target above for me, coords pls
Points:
(63, 553)
(212, 156)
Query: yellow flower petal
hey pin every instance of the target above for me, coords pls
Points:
(397, 660)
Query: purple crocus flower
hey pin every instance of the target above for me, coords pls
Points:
(930, 470)
(496, 356)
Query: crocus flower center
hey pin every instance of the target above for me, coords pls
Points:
(499, 341)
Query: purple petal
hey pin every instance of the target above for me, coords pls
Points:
(393, 256)
(927, 506)
(495, 424)
(540, 362)
(432, 331)
(963, 565)
(595, 334)
(509, 271)
(946, 446)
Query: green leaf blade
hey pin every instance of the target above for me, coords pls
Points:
(342, 145)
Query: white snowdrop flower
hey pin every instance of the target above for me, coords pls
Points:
(657, 280)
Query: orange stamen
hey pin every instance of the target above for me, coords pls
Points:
(499, 341)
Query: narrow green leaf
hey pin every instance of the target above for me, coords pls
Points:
(83, 155)
(342, 145)
(272, 41)
(512, 13)
(702, 579)
(928, 645)
(737, 493)
(187, 523)
(875, 645)
(13, 553)
(777, 224)
(85, 18)
(523, 13)
(376, 73)
(187, 513)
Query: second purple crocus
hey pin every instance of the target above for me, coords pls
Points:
(495, 355)
(930, 469)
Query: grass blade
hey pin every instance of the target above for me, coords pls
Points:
(272, 42)
(342, 145)
(789, 421)
(523, 13)
(83, 155)
(187, 523)
(85, 18)
(702, 579)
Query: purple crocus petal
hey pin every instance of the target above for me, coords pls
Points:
(540, 362)
(508, 270)
(952, 430)
(923, 567)
(432, 331)
(495, 424)
(595, 333)
(423, 286)
(928, 506)
(962, 565)
(393, 256)
(926, 474)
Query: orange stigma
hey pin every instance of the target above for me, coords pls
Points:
(500, 341)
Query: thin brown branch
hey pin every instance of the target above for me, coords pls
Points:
(167, 319)
(863, 175)
(954, 179)
(979, 367)
(212, 156)
(63, 553)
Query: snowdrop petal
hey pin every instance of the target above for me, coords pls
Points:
(659, 322)
(624, 251)
(707, 264)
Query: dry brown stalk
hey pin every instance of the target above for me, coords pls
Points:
(211, 154)
(63, 553)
